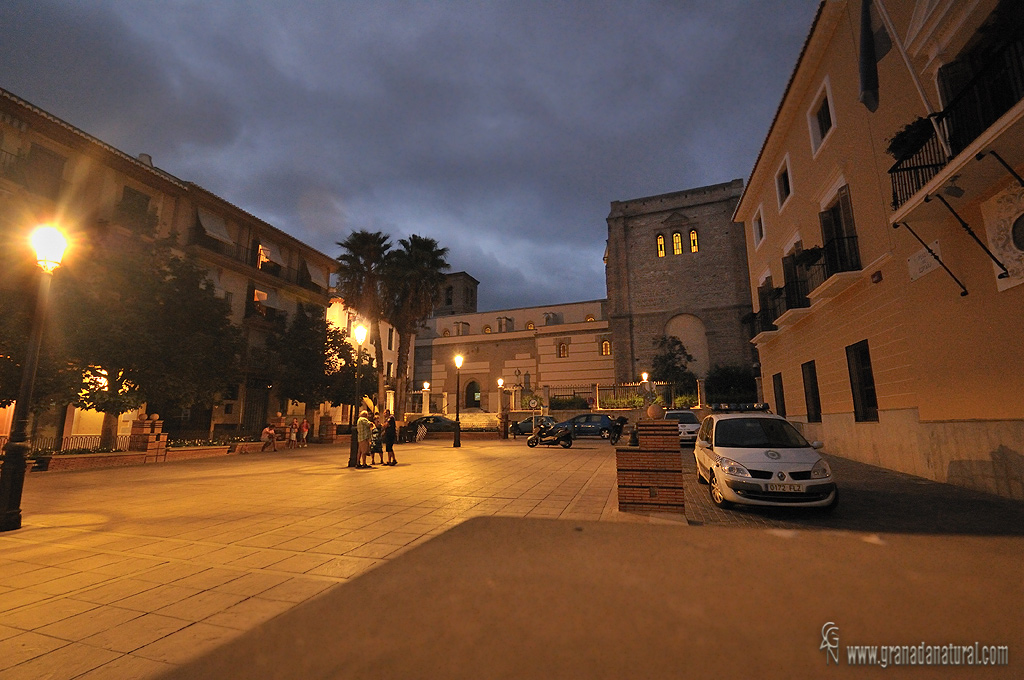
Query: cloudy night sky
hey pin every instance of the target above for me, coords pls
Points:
(502, 129)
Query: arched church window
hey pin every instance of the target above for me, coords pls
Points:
(693, 240)
(677, 243)
(661, 246)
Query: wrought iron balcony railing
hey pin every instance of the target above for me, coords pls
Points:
(996, 88)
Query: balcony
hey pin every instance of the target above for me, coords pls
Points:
(993, 91)
(835, 270)
(260, 312)
(300, 277)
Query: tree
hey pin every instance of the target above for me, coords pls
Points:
(143, 324)
(731, 385)
(413, 278)
(361, 284)
(670, 364)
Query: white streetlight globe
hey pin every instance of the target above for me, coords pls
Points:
(458, 361)
(360, 333)
(49, 245)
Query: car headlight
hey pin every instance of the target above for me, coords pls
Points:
(731, 467)
(820, 470)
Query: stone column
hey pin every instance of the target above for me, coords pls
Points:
(650, 476)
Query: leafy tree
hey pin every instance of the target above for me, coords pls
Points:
(361, 284)
(732, 385)
(670, 364)
(143, 324)
(413, 278)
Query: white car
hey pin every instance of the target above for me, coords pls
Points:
(761, 459)
(688, 423)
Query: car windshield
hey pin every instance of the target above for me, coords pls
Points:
(687, 417)
(757, 433)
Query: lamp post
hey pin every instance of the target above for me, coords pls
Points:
(502, 414)
(49, 245)
(353, 447)
(457, 442)
(426, 399)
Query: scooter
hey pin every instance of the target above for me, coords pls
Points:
(617, 426)
(549, 435)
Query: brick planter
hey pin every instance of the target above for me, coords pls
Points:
(89, 461)
(246, 447)
(650, 476)
(190, 452)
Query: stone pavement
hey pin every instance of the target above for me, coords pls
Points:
(128, 572)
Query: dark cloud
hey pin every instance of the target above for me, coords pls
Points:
(503, 129)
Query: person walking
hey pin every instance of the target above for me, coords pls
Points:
(390, 435)
(304, 433)
(269, 437)
(363, 430)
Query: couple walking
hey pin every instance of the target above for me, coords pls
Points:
(365, 431)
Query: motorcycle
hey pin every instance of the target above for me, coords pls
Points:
(617, 426)
(549, 435)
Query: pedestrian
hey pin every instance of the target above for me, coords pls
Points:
(363, 430)
(269, 437)
(293, 434)
(376, 446)
(304, 433)
(390, 435)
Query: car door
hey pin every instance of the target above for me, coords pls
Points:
(701, 447)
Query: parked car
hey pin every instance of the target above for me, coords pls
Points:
(589, 425)
(688, 423)
(761, 459)
(431, 423)
(527, 426)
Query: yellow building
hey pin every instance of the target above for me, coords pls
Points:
(52, 171)
(886, 247)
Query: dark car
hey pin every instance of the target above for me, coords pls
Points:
(589, 425)
(431, 423)
(526, 426)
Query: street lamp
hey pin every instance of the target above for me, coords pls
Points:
(49, 245)
(353, 446)
(425, 407)
(457, 442)
(502, 414)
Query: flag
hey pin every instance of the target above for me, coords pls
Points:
(874, 44)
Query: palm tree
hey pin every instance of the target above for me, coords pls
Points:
(361, 284)
(414, 275)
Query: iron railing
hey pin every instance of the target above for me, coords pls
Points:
(838, 255)
(122, 442)
(996, 88)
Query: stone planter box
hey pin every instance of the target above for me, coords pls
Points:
(190, 452)
(88, 461)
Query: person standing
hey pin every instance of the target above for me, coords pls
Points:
(293, 434)
(363, 430)
(269, 437)
(304, 433)
(390, 435)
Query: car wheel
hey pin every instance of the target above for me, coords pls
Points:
(716, 492)
(531, 442)
(605, 433)
(700, 477)
(565, 443)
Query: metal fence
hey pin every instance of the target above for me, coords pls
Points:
(122, 442)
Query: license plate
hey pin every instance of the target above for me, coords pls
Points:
(785, 487)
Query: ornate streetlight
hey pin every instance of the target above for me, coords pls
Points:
(49, 245)
(353, 451)
(457, 442)
(425, 407)
(502, 413)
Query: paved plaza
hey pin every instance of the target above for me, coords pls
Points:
(129, 572)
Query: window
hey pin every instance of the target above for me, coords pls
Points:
(391, 338)
(563, 350)
(839, 235)
(487, 329)
(780, 395)
(449, 295)
(661, 246)
(606, 349)
(44, 171)
(757, 227)
(821, 117)
(530, 326)
(811, 396)
(862, 383)
(677, 243)
(782, 184)
(390, 370)
(693, 240)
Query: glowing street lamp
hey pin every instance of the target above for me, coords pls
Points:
(457, 441)
(502, 414)
(49, 245)
(359, 332)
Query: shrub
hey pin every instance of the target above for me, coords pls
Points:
(566, 403)
(684, 401)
